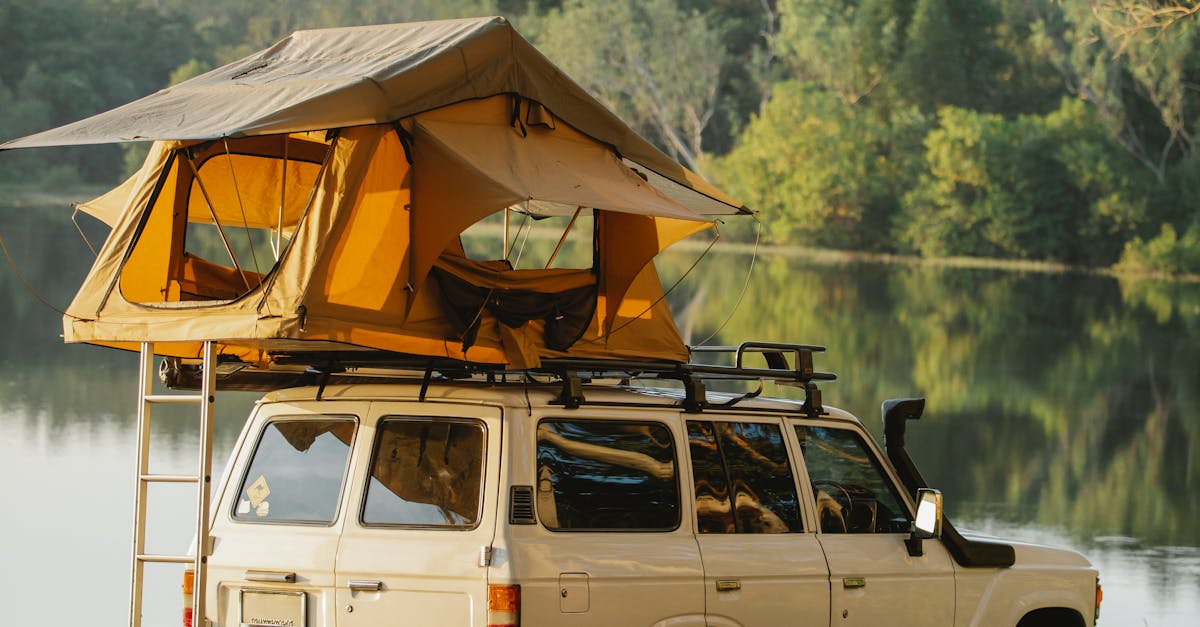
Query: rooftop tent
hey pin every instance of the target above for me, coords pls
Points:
(311, 197)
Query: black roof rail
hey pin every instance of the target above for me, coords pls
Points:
(798, 371)
(785, 364)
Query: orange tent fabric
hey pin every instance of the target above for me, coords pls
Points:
(354, 221)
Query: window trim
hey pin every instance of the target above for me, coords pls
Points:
(337, 511)
(873, 451)
(366, 483)
(679, 497)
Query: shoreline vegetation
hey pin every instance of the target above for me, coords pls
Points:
(832, 256)
(35, 195)
(32, 195)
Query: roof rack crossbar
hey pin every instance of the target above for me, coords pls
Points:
(325, 367)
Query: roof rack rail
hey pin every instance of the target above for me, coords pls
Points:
(785, 364)
(798, 372)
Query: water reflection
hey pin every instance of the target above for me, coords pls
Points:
(1061, 408)
(1053, 399)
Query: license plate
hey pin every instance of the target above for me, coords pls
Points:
(273, 608)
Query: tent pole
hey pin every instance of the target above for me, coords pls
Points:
(563, 239)
(506, 213)
(220, 229)
(241, 207)
(278, 247)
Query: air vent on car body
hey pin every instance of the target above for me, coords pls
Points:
(520, 505)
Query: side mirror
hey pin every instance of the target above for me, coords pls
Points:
(929, 514)
(928, 524)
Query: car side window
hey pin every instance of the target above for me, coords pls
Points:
(425, 472)
(852, 492)
(297, 471)
(606, 475)
(743, 478)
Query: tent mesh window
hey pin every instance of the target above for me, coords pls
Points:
(220, 218)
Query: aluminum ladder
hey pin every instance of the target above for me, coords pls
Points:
(202, 479)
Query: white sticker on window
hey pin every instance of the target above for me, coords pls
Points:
(258, 492)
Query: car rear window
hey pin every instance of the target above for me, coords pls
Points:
(602, 475)
(297, 471)
(425, 472)
(743, 479)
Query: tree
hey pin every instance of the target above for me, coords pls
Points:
(896, 52)
(1050, 187)
(68, 60)
(819, 171)
(951, 56)
(1135, 62)
(850, 48)
(650, 62)
(748, 31)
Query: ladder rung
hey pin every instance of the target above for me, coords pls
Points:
(166, 559)
(174, 398)
(170, 478)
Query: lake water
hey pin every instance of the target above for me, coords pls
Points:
(1062, 408)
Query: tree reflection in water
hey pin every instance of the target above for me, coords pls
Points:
(1067, 400)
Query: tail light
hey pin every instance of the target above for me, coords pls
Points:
(1099, 598)
(504, 606)
(189, 580)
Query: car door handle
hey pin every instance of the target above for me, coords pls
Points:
(270, 576)
(854, 582)
(729, 585)
(366, 586)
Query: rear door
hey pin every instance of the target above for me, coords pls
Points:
(612, 545)
(422, 510)
(276, 529)
(864, 520)
(761, 566)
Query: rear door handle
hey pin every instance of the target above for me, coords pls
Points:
(729, 585)
(366, 586)
(270, 576)
(854, 582)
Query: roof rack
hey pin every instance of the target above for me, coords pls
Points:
(786, 364)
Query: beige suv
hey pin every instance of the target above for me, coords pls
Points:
(573, 497)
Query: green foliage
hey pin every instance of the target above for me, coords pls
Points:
(1167, 252)
(1135, 62)
(1026, 188)
(67, 60)
(745, 30)
(628, 54)
(848, 48)
(950, 55)
(818, 170)
(897, 53)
